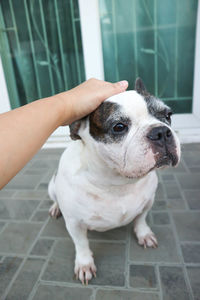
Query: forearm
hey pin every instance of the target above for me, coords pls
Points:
(24, 131)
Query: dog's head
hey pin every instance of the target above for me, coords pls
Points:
(131, 133)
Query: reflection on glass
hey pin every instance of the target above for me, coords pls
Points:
(153, 39)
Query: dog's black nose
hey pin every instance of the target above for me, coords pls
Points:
(160, 135)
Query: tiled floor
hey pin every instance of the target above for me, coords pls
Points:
(36, 252)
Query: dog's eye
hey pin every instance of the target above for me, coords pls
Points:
(119, 127)
(168, 116)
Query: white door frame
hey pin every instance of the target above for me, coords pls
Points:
(187, 125)
(4, 98)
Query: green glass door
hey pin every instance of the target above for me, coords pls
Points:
(40, 47)
(153, 39)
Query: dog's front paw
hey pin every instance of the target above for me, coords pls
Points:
(145, 236)
(149, 240)
(85, 270)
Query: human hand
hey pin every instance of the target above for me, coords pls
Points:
(86, 97)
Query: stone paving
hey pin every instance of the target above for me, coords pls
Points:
(37, 254)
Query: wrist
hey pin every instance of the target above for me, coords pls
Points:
(63, 108)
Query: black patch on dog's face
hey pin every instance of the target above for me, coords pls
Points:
(155, 106)
(103, 120)
(158, 109)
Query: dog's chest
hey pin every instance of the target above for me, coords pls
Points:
(110, 211)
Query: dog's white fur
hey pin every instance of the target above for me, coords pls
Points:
(100, 186)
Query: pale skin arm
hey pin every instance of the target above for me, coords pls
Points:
(24, 130)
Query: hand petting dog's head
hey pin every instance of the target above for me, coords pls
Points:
(131, 133)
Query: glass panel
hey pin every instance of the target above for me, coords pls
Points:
(153, 39)
(41, 46)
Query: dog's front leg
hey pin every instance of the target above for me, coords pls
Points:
(84, 262)
(143, 232)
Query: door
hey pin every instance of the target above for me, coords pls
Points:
(40, 47)
(153, 39)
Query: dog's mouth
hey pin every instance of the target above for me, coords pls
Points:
(167, 159)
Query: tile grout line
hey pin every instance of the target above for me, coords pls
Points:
(47, 258)
(127, 253)
(97, 287)
(10, 221)
(4, 227)
(41, 181)
(34, 212)
(182, 194)
(23, 262)
(130, 262)
(94, 292)
(186, 208)
(187, 281)
(159, 281)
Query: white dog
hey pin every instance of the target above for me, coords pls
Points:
(106, 178)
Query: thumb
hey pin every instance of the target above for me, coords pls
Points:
(115, 88)
(111, 89)
(121, 85)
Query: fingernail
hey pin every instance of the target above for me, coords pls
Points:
(124, 84)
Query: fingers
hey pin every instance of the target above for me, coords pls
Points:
(115, 88)
(122, 85)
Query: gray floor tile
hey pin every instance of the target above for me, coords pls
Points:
(48, 152)
(173, 283)
(6, 193)
(191, 253)
(175, 204)
(187, 225)
(195, 170)
(172, 191)
(45, 164)
(109, 259)
(61, 263)
(124, 295)
(21, 181)
(2, 224)
(193, 199)
(26, 279)
(40, 216)
(46, 204)
(167, 177)
(110, 262)
(30, 195)
(31, 171)
(18, 237)
(7, 270)
(166, 251)
(45, 292)
(194, 275)
(179, 169)
(55, 228)
(189, 181)
(42, 247)
(114, 234)
(160, 193)
(191, 147)
(160, 218)
(192, 158)
(142, 276)
(159, 205)
(17, 209)
(43, 186)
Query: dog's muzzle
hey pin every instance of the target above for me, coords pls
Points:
(163, 145)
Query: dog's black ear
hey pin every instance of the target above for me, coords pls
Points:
(139, 87)
(74, 128)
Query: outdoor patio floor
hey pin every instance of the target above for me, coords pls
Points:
(37, 254)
